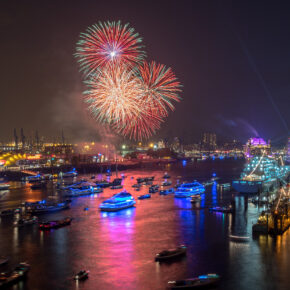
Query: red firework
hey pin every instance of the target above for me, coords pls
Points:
(108, 42)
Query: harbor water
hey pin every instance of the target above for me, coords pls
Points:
(118, 248)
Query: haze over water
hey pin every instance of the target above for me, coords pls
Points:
(119, 248)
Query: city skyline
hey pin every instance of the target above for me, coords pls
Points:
(233, 78)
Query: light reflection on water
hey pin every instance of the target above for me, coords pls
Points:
(119, 247)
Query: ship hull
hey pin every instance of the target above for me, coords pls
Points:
(253, 187)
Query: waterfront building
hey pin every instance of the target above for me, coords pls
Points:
(257, 147)
(209, 141)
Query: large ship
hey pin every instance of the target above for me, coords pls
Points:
(118, 201)
(189, 189)
(261, 174)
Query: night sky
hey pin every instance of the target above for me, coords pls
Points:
(232, 57)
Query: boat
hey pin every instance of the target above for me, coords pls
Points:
(239, 239)
(189, 189)
(166, 191)
(153, 188)
(195, 198)
(4, 186)
(83, 190)
(68, 174)
(34, 178)
(103, 183)
(55, 224)
(166, 175)
(82, 275)
(25, 221)
(117, 186)
(145, 179)
(170, 254)
(261, 174)
(3, 261)
(42, 207)
(93, 177)
(144, 196)
(19, 273)
(137, 188)
(202, 281)
(224, 186)
(116, 181)
(136, 185)
(118, 201)
(166, 183)
(38, 185)
(223, 209)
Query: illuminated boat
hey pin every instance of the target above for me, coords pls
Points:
(189, 189)
(118, 201)
(72, 173)
(171, 254)
(25, 221)
(154, 188)
(261, 174)
(239, 239)
(55, 224)
(144, 196)
(223, 209)
(4, 186)
(202, 281)
(83, 190)
(10, 278)
(35, 178)
(166, 175)
(82, 275)
(166, 183)
(166, 191)
(195, 198)
(103, 183)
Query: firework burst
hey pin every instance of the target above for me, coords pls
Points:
(109, 42)
(114, 95)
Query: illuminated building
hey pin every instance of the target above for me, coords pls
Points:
(256, 147)
(209, 141)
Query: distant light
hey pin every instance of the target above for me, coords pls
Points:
(123, 146)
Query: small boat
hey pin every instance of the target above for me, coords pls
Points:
(55, 224)
(166, 191)
(4, 186)
(202, 281)
(3, 261)
(144, 196)
(46, 207)
(223, 209)
(25, 221)
(166, 175)
(117, 186)
(118, 202)
(93, 177)
(224, 186)
(83, 190)
(136, 185)
(195, 198)
(72, 173)
(34, 178)
(19, 273)
(116, 181)
(137, 189)
(170, 254)
(239, 239)
(82, 275)
(166, 183)
(153, 189)
(103, 183)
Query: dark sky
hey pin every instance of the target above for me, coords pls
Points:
(232, 57)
